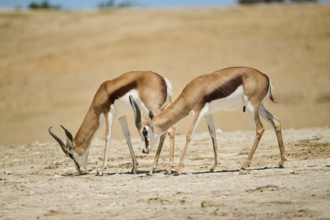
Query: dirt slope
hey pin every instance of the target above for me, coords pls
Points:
(51, 63)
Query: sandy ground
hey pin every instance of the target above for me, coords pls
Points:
(51, 64)
(38, 182)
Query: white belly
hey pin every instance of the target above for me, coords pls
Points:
(235, 101)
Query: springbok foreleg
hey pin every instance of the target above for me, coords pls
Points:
(211, 127)
(159, 149)
(171, 133)
(127, 135)
(259, 131)
(190, 133)
(275, 122)
(108, 128)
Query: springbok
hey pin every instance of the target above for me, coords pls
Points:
(226, 89)
(152, 92)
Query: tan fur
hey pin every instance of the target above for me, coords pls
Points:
(153, 94)
(217, 85)
(150, 88)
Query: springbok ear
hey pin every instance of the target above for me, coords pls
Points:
(69, 138)
(137, 112)
(151, 115)
(67, 133)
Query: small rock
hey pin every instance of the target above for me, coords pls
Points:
(57, 176)
(206, 203)
(66, 173)
(243, 172)
(50, 167)
(226, 194)
(57, 162)
(8, 172)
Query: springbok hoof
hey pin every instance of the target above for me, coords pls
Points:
(245, 166)
(169, 170)
(243, 172)
(99, 172)
(213, 168)
(177, 171)
(151, 172)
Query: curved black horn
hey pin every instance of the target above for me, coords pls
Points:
(67, 133)
(137, 112)
(64, 148)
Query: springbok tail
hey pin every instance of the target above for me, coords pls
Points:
(169, 92)
(271, 97)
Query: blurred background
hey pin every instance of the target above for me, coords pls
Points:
(92, 4)
(55, 54)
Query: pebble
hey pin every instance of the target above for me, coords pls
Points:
(244, 172)
(7, 172)
(57, 176)
(57, 162)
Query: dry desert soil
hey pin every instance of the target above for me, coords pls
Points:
(38, 182)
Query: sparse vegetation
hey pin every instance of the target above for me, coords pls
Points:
(43, 5)
(273, 1)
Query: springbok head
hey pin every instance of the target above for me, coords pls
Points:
(69, 150)
(145, 128)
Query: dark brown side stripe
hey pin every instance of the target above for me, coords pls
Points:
(122, 91)
(225, 90)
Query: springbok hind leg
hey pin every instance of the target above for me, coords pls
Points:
(159, 149)
(124, 127)
(259, 131)
(211, 127)
(275, 122)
